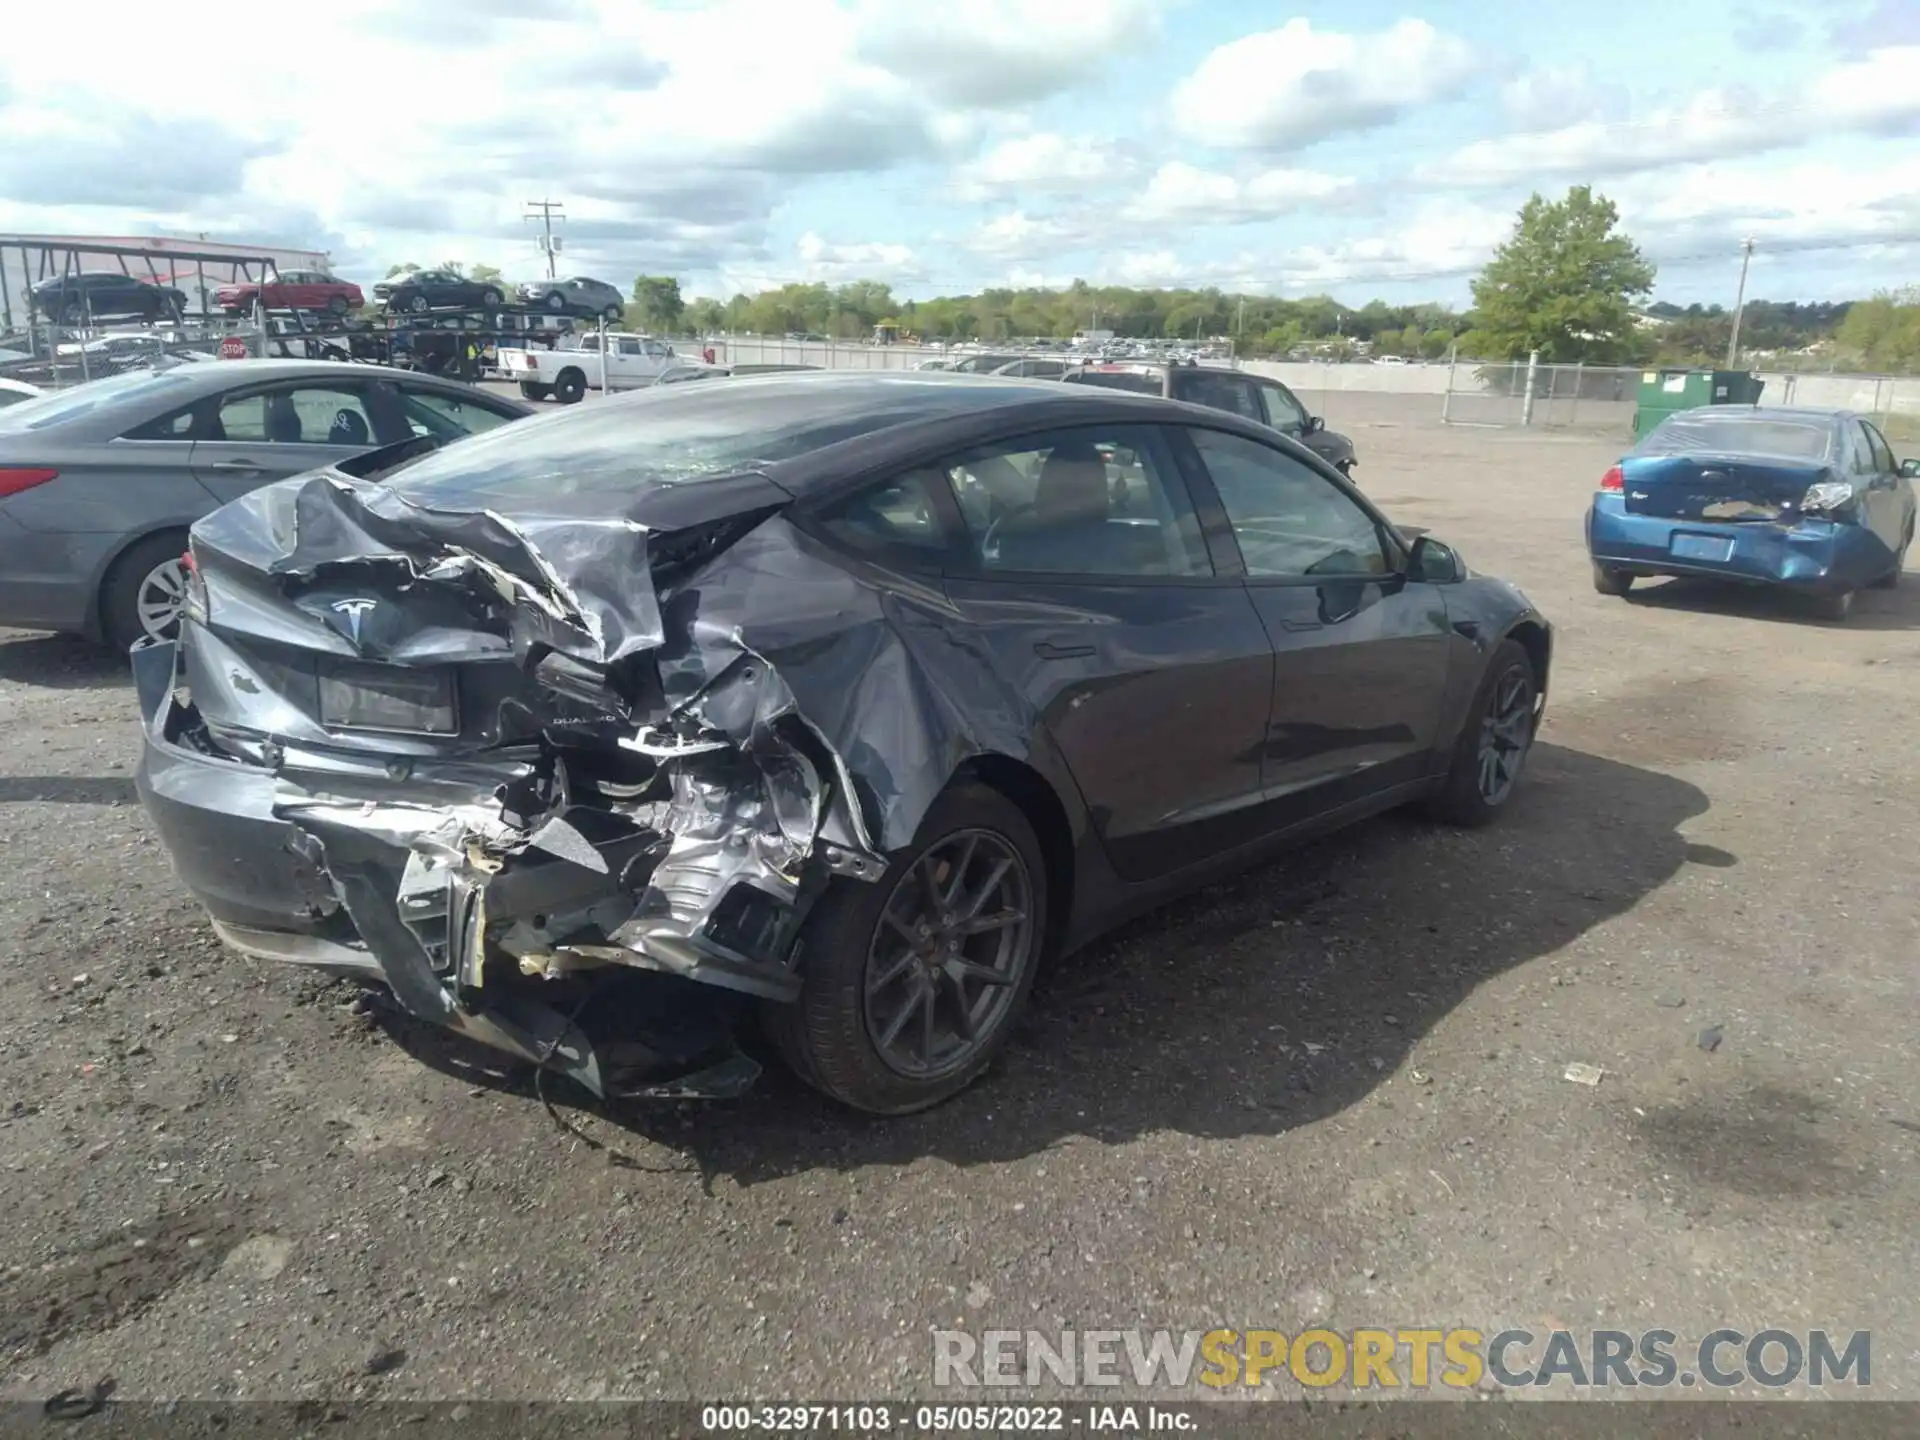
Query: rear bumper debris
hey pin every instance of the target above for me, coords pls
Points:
(1806, 554)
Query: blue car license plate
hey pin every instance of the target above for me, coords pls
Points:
(1701, 547)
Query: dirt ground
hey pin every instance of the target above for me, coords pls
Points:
(1331, 1090)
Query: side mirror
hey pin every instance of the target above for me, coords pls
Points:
(1315, 424)
(1910, 469)
(1434, 563)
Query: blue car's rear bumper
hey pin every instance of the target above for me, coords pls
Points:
(1816, 555)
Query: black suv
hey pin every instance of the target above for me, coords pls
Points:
(1238, 393)
(100, 294)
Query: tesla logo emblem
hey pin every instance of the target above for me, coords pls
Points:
(355, 611)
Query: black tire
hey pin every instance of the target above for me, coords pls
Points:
(417, 304)
(825, 1034)
(1461, 799)
(1835, 606)
(120, 591)
(491, 298)
(533, 391)
(72, 313)
(1609, 581)
(616, 312)
(337, 305)
(557, 303)
(570, 386)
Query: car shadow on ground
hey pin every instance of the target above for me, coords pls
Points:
(1251, 1008)
(60, 662)
(1873, 609)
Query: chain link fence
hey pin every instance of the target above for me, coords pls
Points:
(1568, 397)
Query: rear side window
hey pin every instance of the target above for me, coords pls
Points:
(899, 517)
(177, 426)
(1216, 391)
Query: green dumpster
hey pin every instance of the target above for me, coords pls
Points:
(1664, 391)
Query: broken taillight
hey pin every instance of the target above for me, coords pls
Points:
(1614, 479)
(12, 482)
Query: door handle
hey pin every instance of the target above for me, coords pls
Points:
(239, 465)
(1047, 650)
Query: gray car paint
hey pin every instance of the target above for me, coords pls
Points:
(59, 540)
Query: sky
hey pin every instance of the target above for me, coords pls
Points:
(1366, 149)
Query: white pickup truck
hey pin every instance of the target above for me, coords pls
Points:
(630, 362)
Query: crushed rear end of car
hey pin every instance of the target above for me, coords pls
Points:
(531, 775)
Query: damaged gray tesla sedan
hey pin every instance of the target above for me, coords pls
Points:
(838, 699)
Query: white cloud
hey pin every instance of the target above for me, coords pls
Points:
(1179, 191)
(673, 132)
(1442, 239)
(821, 260)
(1041, 162)
(1282, 89)
(1877, 95)
(1002, 52)
(1554, 95)
(1017, 235)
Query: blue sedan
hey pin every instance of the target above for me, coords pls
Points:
(1807, 500)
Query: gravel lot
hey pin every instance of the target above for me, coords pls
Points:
(1329, 1091)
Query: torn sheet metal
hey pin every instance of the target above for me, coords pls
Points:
(674, 726)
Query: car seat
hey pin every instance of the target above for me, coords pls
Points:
(1067, 529)
(283, 421)
(349, 428)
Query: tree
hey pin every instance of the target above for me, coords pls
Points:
(407, 269)
(488, 275)
(1564, 283)
(657, 304)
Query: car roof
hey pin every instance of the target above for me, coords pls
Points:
(1805, 413)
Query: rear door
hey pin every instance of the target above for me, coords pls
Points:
(1361, 652)
(268, 432)
(1090, 580)
(1884, 499)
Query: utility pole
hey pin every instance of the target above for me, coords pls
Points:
(544, 211)
(1739, 304)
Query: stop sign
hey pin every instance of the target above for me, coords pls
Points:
(233, 347)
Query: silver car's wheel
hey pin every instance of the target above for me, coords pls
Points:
(160, 598)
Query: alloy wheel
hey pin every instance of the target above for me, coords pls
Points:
(1506, 730)
(162, 596)
(946, 960)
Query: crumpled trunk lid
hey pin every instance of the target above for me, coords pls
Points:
(1718, 488)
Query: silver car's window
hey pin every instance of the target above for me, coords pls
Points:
(133, 388)
(428, 412)
(297, 415)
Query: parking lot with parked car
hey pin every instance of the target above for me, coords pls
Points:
(1329, 1089)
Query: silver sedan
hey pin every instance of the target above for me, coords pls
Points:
(575, 295)
(99, 483)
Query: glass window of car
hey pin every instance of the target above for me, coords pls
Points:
(1283, 411)
(1862, 463)
(1081, 502)
(135, 388)
(899, 517)
(1290, 521)
(307, 414)
(177, 425)
(432, 412)
(1135, 382)
(1220, 390)
(629, 347)
(1882, 451)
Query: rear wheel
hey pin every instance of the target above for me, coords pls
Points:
(1494, 742)
(570, 387)
(417, 304)
(1835, 606)
(491, 297)
(1609, 581)
(144, 592)
(614, 312)
(534, 391)
(337, 305)
(912, 985)
(556, 302)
